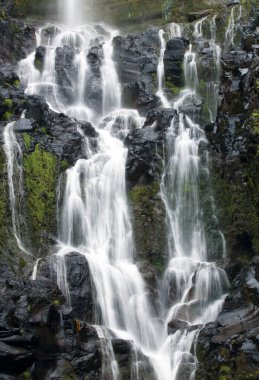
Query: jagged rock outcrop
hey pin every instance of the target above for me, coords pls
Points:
(228, 348)
(137, 57)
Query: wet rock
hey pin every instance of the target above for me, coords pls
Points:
(136, 57)
(19, 39)
(94, 90)
(145, 148)
(56, 133)
(23, 125)
(173, 60)
(39, 57)
(139, 95)
(231, 341)
(64, 66)
(81, 288)
(176, 324)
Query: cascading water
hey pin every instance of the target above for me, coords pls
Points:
(193, 288)
(161, 71)
(15, 180)
(175, 30)
(190, 69)
(94, 219)
(232, 27)
(198, 28)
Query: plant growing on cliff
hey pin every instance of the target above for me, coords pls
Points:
(40, 183)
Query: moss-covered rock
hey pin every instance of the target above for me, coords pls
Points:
(149, 224)
(40, 179)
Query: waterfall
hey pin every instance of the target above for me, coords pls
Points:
(94, 218)
(190, 69)
(175, 30)
(198, 28)
(35, 269)
(232, 27)
(212, 86)
(13, 154)
(199, 286)
(161, 71)
(111, 84)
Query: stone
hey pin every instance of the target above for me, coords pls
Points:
(23, 125)
(175, 325)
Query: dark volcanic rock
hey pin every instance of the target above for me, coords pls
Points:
(145, 148)
(231, 343)
(39, 57)
(80, 285)
(56, 133)
(136, 55)
(18, 39)
(137, 58)
(176, 324)
(173, 59)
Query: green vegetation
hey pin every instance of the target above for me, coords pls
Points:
(56, 303)
(64, 165)
(149, 224)
(40, 169)
(22, 263)
(255, 116)
(7, 115)
(143, 193)
(16, 83)
(175, 90)
(8, 103)
(236, 190)
(26, 375)
(27, 140)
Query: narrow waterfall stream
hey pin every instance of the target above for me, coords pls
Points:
(15, 180)
(94, 218)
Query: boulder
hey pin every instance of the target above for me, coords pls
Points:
(175, 325)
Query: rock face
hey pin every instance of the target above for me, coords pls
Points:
(40, 335)
(234, 153)
(143, 173)
(35, 325)
(229, 347)
(137, 58)
(18, 39)
(173, 58)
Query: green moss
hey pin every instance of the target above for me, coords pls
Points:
(255, 116)
(56, 303)
(178, 10)
(172, 87)
(225, 370)
(26, 375)
(142, 193)
(22, 263)
(64, 165)
(149, 224)
(27, 140)
(16, 83)
(40, 169)
(236, 190)
(7, 115)
(8, 103)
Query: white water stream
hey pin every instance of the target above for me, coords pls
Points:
(15, 180)
(161, 71)
(95, 220)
